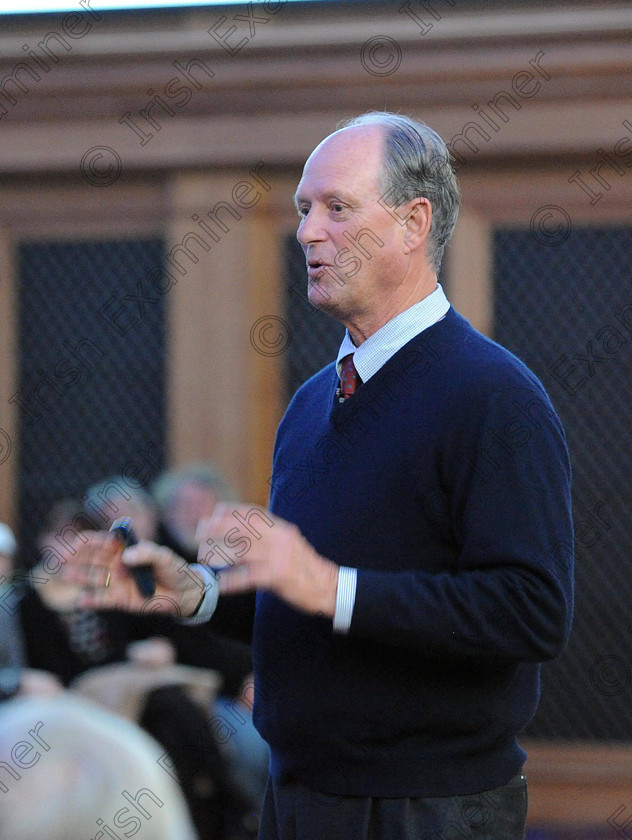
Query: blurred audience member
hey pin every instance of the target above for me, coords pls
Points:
(82, 773)
(69, 642)
(113, 497)
(16, 678)
(11, 645)
(60, 638)
(8, 549)
(184, 496)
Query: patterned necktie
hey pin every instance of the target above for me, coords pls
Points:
(349, 379)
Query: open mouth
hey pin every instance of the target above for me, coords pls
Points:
(315, 267)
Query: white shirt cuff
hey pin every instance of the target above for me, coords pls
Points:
(209, 599)
(345, 599)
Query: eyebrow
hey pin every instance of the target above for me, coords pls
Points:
(347, 199)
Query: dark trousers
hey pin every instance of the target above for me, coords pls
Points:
(293, 812)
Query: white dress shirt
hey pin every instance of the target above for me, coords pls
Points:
(368, 358)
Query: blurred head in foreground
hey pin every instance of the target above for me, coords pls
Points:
(71, 771)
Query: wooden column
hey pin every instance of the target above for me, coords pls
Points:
(469, 260)
(579, 784)
(226, 335)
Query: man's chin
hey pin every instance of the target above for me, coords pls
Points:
(319, 297)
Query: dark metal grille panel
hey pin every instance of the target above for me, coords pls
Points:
(92, 358)
(566, 310)
(316, 337)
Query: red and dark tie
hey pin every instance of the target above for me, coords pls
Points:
(349, 378)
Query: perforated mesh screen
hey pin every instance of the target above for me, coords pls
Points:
(91, 358)
(566, 310)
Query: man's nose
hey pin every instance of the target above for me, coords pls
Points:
(311, 229)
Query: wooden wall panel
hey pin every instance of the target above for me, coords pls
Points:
(579, 784)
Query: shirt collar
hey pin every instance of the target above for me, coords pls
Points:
(373, 353)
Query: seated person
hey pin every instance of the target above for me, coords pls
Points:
(70, 642)
(185, 496)
(58, 637)
(15, 677)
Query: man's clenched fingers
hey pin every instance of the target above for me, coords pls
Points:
(90, 560)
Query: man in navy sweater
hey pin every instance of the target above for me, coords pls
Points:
(415, 565)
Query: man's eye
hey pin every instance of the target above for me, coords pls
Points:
(303, 211)
(337, 208)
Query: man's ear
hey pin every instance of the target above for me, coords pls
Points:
(417, 226)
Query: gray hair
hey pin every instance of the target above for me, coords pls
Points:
(168, 483)
(118, 496)
(417, 163)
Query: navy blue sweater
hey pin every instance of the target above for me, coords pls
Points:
(445, 481)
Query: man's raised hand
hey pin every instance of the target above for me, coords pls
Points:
(100, 568)
(263, 551)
